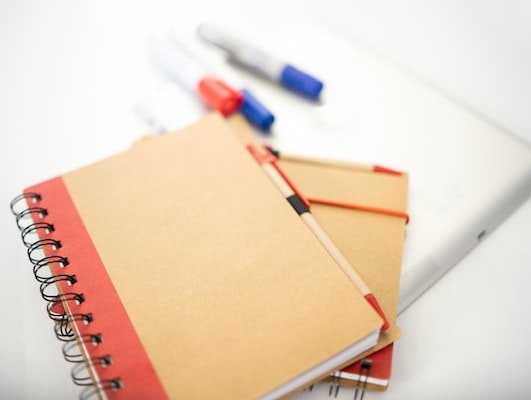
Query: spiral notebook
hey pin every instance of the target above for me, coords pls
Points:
(176, 269)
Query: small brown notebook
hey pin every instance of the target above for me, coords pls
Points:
(370, 237)
(176, 269)
(371, 240)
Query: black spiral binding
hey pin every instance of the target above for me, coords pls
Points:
(334, 382)
(333, 389)
(31, 222)
(365, 372)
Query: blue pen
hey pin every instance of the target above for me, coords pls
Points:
(261, 63)
(255, 112)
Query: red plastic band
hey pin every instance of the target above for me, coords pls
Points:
(290, 183)
(261, 158)
(361, 207)
(267, 157)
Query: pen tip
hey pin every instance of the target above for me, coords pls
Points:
(374, 303)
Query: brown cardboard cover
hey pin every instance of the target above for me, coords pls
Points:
(229, 292)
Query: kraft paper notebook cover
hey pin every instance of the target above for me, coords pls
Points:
(371, 241)
(183, 273)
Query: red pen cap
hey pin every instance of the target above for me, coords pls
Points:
(219, 96)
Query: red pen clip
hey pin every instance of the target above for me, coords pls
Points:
(261, 157)
(270, 158)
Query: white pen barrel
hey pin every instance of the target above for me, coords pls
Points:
(242, 53)
(218, 37)
(259, 62)
(175, 63)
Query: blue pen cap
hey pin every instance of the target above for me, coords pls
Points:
(301, 82)
(255, 112)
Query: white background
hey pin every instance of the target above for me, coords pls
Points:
(71, 73)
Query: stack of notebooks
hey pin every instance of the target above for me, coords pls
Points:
(180, 268)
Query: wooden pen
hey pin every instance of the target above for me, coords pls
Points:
(268, 162)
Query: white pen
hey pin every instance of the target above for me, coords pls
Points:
(261, 63)
(183, 68)
(178, 63)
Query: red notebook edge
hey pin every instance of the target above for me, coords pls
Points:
(374, 370)
(113, 350)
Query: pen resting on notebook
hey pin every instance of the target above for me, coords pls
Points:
(268, 163)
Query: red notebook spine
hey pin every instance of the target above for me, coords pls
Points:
(99, 338)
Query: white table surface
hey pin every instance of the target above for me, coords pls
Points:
(71, 73)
